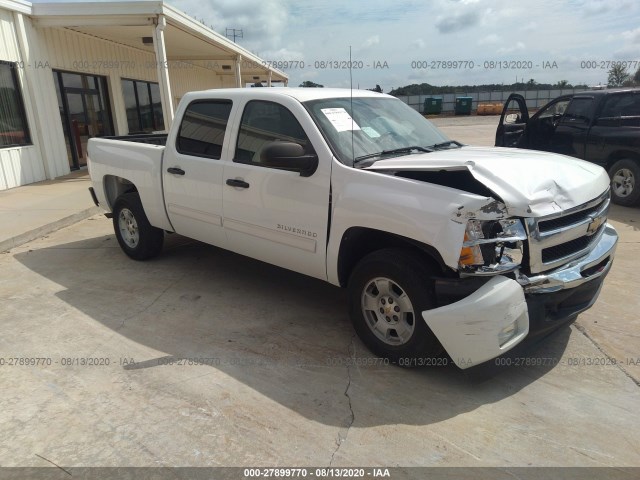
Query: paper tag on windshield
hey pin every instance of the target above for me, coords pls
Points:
(340, 119)
(371, 132)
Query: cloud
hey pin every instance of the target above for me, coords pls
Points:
(418, 43)
(262, 21)
(489, 39)
(519, 46)
(632, 35)
(457, 22)
(371, 41)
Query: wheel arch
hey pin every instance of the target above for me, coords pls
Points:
(115, 186)
(622, 155)
(358, 242)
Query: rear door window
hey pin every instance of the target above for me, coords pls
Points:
(203, 127)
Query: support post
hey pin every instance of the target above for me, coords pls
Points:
(163, 71)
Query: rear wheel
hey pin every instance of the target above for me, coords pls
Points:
(625, 182)
(137, 238)
(388, 291)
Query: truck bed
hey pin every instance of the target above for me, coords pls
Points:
(150, 138)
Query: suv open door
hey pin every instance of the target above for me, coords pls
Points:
(513, 121)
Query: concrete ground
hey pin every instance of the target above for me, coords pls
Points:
(206, 358)
(469, 129)
(35, 210)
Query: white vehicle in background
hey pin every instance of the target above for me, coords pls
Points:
(440, 245)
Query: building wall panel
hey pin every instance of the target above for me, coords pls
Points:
(19, 165)
(186, 78)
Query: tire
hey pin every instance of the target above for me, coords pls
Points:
(387, 292)
(137, 238)
(625, 182)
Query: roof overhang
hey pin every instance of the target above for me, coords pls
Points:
(17, 6)
(186, 39)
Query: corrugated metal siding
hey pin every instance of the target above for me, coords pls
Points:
(18, 165)
(192, 78)
(79, 52)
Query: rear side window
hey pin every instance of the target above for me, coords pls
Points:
(265, 122)
(202, 129)
(578, 111)
(621, 110)
(627, 105)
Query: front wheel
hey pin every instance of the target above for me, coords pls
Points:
(388, 291)
(136, 236)
(625, 182)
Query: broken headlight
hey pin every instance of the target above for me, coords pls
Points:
(492, 246)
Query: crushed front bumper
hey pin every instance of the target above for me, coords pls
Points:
(501, 312)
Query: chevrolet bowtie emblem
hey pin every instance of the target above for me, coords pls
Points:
(594, 225)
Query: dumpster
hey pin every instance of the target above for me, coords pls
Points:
(433, 105)
(463, 105)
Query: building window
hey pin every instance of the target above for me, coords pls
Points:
(144, 109)
(203, 127)
(13, 121)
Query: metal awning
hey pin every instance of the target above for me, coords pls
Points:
(164, 31)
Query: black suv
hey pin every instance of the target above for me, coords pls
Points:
(601, 126)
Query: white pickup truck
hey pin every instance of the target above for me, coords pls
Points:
(440, 245)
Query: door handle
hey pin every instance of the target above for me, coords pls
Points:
(237, 182)
(176, 171)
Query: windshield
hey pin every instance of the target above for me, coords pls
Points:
(379, 126)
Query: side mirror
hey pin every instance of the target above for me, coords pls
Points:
(289, 156)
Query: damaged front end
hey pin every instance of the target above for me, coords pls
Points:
(483, 312)
(502, 294)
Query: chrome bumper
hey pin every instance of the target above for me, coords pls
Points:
(584, 269)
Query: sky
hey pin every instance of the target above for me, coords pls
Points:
(440, 42)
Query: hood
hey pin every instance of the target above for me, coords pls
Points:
(530, 183)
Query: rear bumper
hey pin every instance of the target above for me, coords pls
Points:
(502, 312)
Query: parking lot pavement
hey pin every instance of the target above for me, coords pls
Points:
(469, 129)
(205, 358)
(614, 323)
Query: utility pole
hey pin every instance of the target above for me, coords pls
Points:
(233, 32)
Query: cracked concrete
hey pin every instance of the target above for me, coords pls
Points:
(351, 361)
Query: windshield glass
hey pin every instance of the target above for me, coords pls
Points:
(379, 125)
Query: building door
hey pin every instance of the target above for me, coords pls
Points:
(84, 110)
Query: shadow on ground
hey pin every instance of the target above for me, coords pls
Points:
(627, 215)
(282, 334)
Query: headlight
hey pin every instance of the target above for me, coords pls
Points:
(492, 246)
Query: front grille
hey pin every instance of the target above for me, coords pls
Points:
(566, 249)
(555, 240)
(566, 220)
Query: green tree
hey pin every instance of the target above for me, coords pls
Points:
(562, 84)
(310, 84)
(617, 75)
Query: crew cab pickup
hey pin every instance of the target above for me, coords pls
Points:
(440, 245)
(601, 126)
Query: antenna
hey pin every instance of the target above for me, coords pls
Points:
(353, 152)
